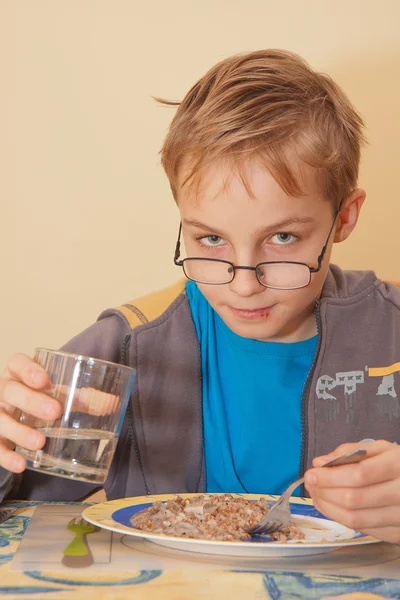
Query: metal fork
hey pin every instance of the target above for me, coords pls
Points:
(279, 514)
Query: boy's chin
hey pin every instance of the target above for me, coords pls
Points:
(271, 328)
(257, 329)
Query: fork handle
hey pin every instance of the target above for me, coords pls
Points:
(284, 499)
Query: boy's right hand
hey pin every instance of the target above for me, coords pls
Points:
(22, 388)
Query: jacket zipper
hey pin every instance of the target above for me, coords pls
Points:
(132, 430)
(304, 400)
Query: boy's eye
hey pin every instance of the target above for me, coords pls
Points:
(212, 240)
(283, 238)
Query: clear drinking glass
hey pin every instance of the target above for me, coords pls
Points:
(94, 394)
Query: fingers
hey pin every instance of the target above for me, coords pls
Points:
(363, 519)
(11, 460)
(363, 496)
(382, 464)
(31, 402)
(13, 433)
(19, 390)
(87, 400)
(25, 369)
(372, 448)
(20, 434)
(353, 498)
(95, 402)
(386, 534)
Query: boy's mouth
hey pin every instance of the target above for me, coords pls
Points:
(256, 313)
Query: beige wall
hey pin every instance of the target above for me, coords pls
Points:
(87, 219)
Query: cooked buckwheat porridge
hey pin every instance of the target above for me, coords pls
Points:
(209, 517)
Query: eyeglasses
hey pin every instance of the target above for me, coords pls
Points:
(277, 275)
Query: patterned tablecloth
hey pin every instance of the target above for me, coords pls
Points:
(173, 584)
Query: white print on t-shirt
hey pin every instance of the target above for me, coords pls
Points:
(387, 402)
(387, 386)
(348, 380)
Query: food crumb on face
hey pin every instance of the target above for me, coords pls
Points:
(220, 517)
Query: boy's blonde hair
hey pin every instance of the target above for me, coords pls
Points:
(269, 105)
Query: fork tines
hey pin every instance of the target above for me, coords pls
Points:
(267, 529)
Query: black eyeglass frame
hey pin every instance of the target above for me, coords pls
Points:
(181, 263)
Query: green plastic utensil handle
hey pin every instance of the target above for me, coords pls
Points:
(77, 547)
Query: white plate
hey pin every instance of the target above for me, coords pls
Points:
(321, 534)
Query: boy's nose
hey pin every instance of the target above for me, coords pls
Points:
(245, 283)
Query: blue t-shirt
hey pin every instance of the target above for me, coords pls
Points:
(252, 393)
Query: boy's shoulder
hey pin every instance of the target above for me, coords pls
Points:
(346, 285)
(148, 308)
(105, 338)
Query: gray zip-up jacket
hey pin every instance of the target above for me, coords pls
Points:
(350, 393)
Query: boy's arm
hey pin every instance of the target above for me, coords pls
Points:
(104, 339)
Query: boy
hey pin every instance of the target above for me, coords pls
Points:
(265, 356)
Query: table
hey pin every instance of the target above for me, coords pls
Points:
(174, 584)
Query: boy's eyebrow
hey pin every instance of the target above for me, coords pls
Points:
(198, 224)
(274, 227)
(286, 223)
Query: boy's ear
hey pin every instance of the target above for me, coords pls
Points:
(349, 214)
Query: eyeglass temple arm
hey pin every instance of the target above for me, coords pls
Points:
(178, 247)
(322, 255)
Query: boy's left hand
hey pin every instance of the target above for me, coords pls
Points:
(364, 496)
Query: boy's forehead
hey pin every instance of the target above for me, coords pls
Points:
(246, 181)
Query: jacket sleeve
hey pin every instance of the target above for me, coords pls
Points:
(104, 339)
